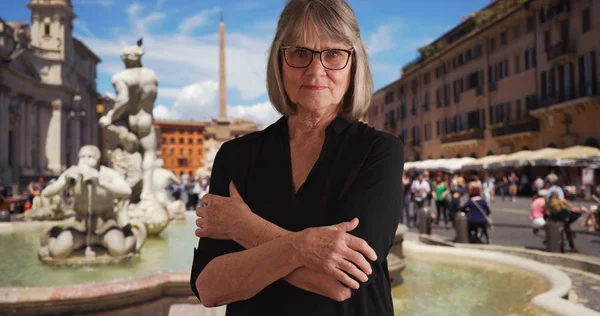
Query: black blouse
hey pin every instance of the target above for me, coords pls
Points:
(358, 174)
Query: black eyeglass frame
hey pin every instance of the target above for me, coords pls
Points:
(320, 52)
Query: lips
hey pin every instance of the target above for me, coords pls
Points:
(314, 87)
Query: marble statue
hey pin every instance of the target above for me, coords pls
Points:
(48, 209)
(95, 189)
(135, 158)
(136, 88)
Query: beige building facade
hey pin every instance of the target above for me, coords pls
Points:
(527, 79)
(48, 94)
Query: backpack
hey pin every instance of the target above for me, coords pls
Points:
(556, 205)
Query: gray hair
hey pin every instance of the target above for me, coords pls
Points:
(334, 20)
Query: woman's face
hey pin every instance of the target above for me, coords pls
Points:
(314, 88)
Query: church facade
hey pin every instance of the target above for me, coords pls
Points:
(48, 96)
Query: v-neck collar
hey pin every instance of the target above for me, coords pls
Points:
(335, 127)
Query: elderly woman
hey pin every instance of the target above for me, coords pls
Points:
(301, 216)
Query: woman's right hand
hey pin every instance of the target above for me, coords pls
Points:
(333, 250)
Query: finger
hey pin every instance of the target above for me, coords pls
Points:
(200, 223)
(345, 279)
(351, 269)
(359, 260)
(201, 211)
(362, 246)
(233, 192)
(348, 226)
(206, 199)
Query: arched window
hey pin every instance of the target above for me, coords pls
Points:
(591, 142)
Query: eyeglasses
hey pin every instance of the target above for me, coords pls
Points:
(301, 57)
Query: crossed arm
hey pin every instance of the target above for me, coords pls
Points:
(220, 276)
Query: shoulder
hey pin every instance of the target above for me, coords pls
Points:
(380, 143)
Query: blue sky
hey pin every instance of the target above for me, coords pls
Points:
(181, 42)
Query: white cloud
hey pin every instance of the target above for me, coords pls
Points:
(81, 26)
(105, 3)
(201, 19)
(162, 112)
(198, 101)
(134, 8)
(381, 40)
(262, 113)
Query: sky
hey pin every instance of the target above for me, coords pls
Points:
(180, 38)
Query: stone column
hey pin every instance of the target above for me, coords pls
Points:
(4, 126)
(27, 120)
(54, 138)
(22, 100)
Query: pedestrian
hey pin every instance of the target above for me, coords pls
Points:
(420, 189)
(440, 195)
(406, 185)
(538, 210)
(457, 189)
(513, 181)
(478, 216)
(561, 210)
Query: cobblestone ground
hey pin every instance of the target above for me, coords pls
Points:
(586, 286)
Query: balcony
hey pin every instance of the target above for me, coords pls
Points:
(562, 51)
(479, 91)
(471, 134)
(515, 127)
(548, 101)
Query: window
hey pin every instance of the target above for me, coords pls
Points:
(565, 81)
(517, 63)
(492, 44)
(172, 140)
(516, 31)
(401, 92)
(190, 151)
(46, 29)
(181, 141)
(438, 97)
(547, 40)
(426, 78)
(163, 140)
(547, 84)
(519, 109)
(199, 141)
(190, 141)
(530, 58)
(531, 22)
(468, 55)
(428, 131)
(413, 109)
(415, 84)
(503, 40)
(473, 81)
(427, 101)
(447, 94)
(586, 24)
(477, 51)
(181, 151)
(587, 74)
(171, 152)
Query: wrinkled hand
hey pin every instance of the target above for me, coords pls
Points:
(220, 216)
(331, 249)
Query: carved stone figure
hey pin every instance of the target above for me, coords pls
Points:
(95, 189)
(48, 209)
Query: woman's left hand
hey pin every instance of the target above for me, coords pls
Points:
(220, 216)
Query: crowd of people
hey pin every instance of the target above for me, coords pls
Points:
(447, 194)
(190, 190)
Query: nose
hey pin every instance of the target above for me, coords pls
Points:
(315, 67)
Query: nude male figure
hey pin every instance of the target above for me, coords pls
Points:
(136, 89)
(106, 186)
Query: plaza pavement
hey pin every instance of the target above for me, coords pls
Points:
(512, 227)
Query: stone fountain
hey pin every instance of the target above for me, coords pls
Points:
(116, 207)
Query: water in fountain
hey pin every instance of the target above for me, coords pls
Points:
(88, 249)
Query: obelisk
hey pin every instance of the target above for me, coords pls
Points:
(223, 132)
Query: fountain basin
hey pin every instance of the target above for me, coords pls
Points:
(160, 277)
